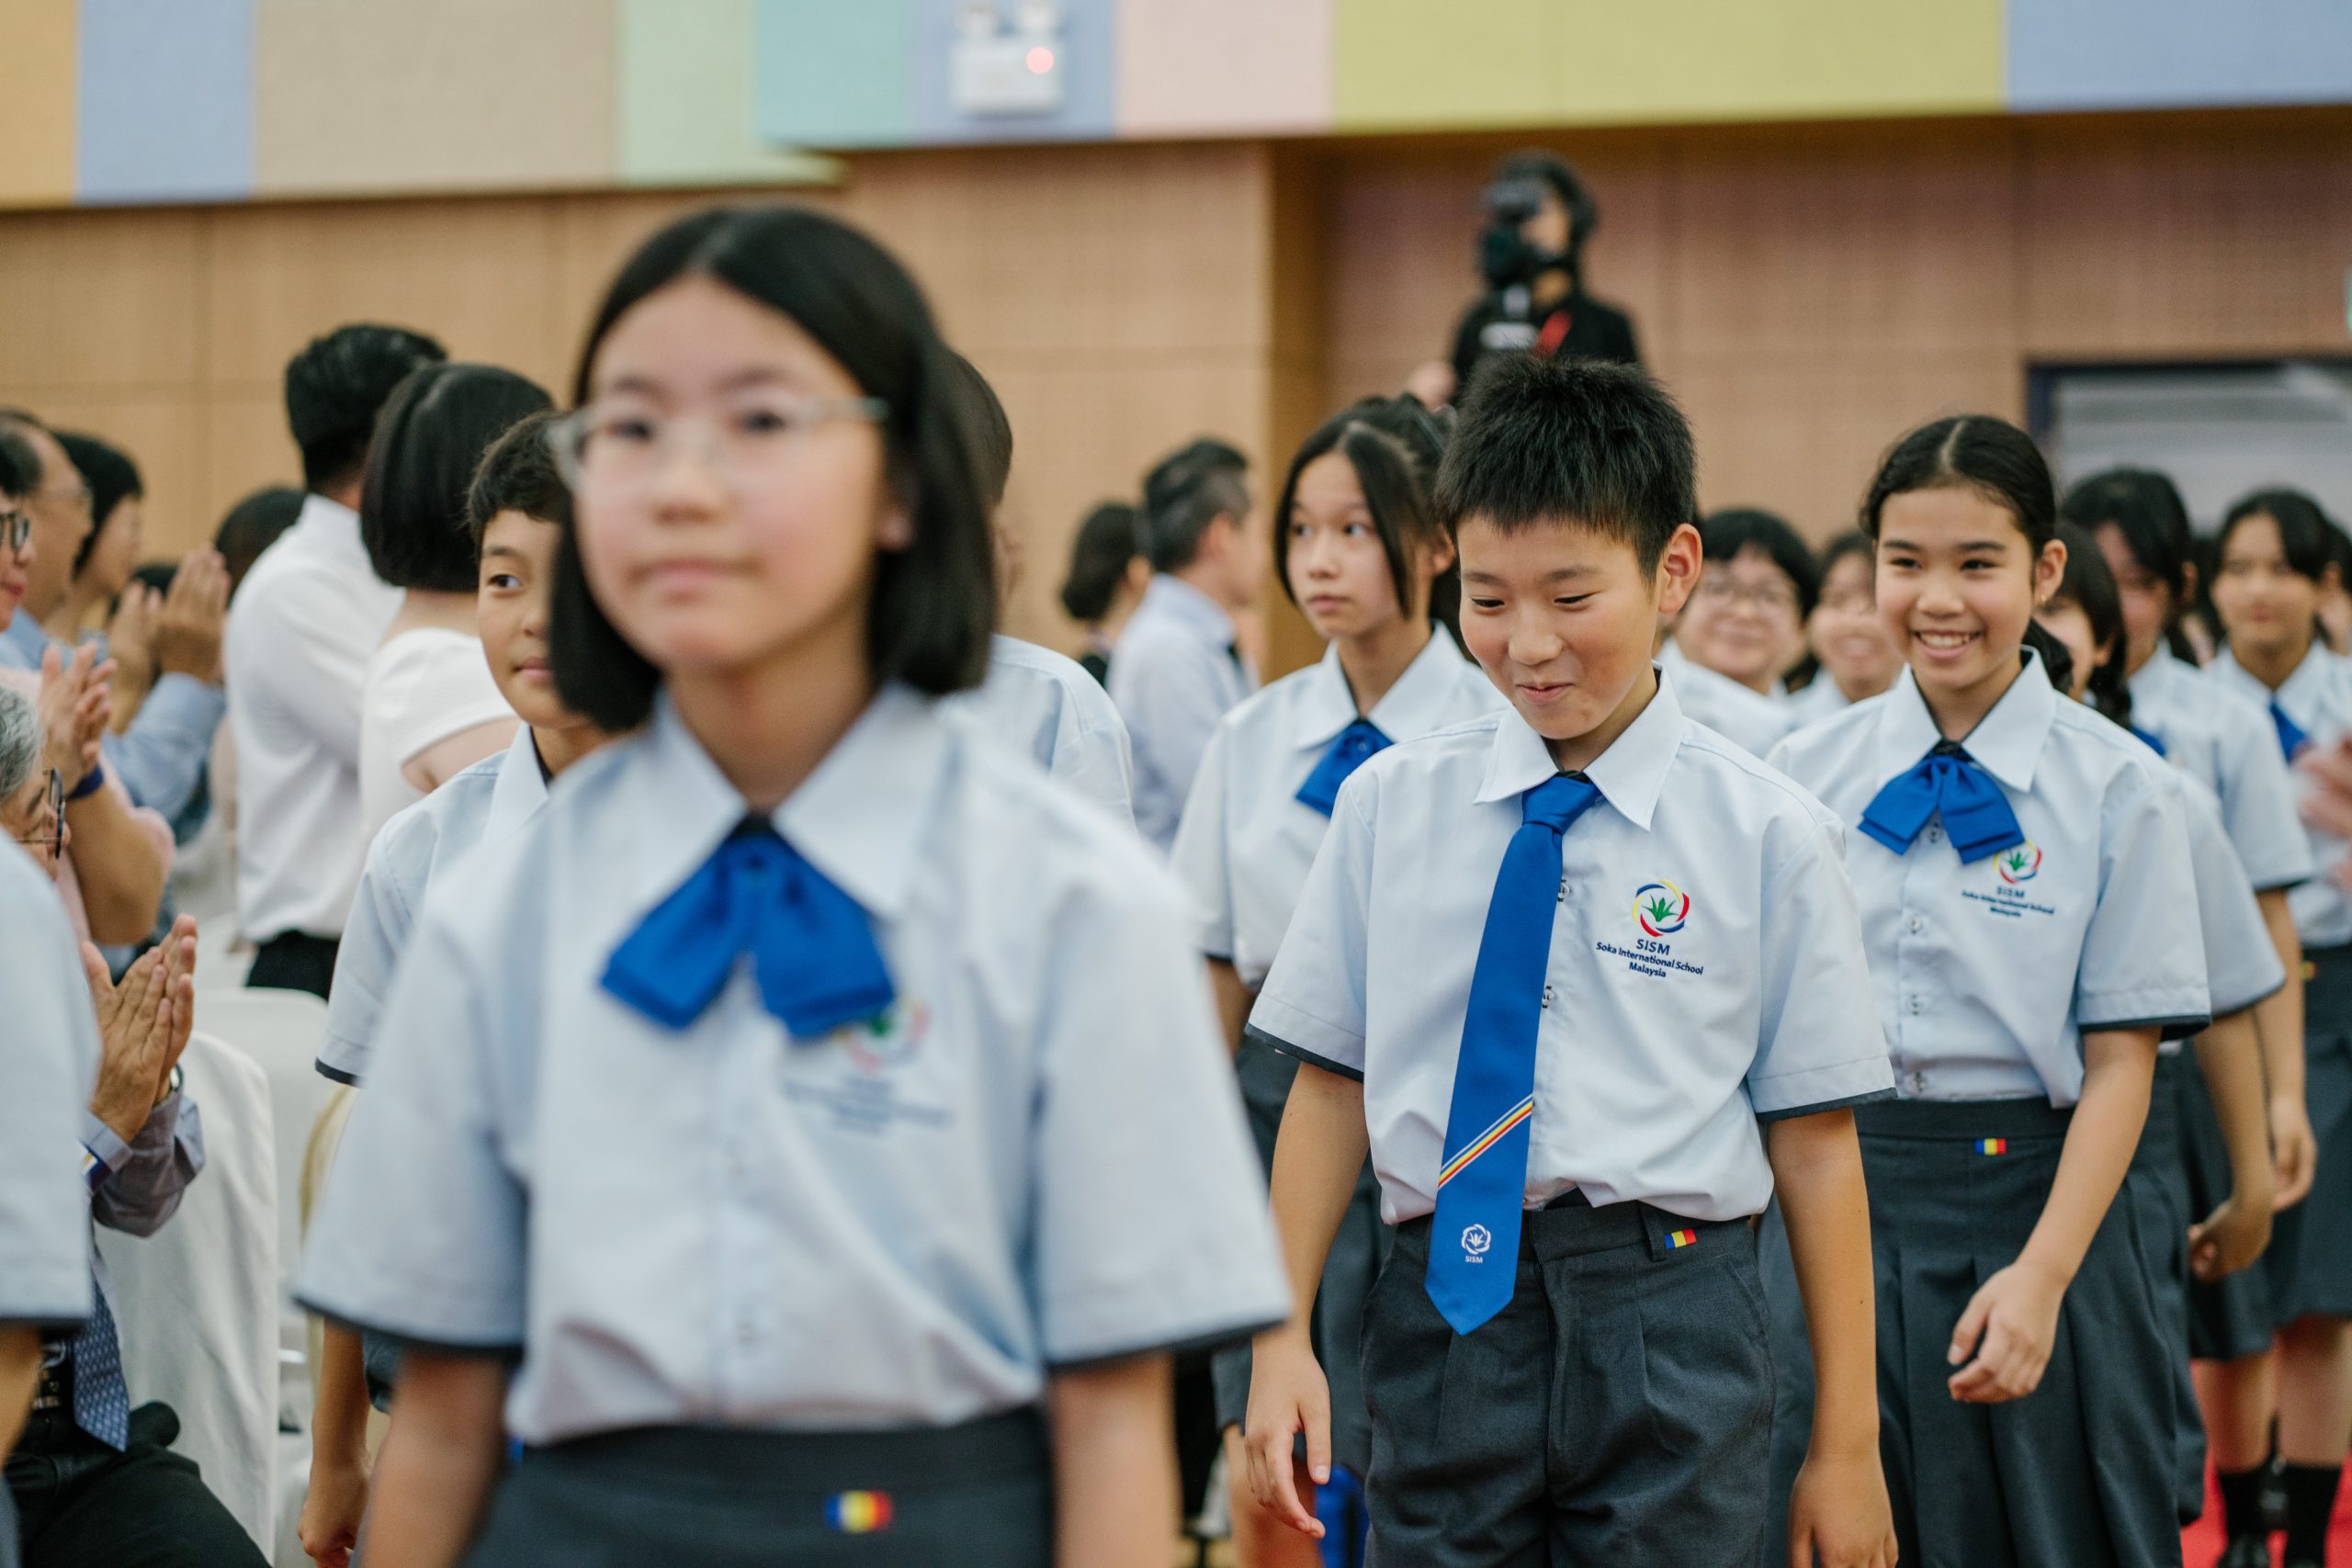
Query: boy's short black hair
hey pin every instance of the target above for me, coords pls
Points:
(992, 429)
(1543, 440)
(435, 429)
(1186, 491)
(252, 526)
(334, 388)
(518, 474)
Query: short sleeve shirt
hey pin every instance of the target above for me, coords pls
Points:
(1988, 975)
(1039, 703)
(1247, 839)
(1706, 966)
(49, 1059)
(1748, 719)
(482, 803)
(1034, 1158)
(2241, 965)
(424, 686)
(2230, 745)
(2318, 697)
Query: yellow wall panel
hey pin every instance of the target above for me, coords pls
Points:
(432, 96)
(1399, 64)
(37, 107)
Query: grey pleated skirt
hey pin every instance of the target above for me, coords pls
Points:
(2310, 1261)
(2080, 1472)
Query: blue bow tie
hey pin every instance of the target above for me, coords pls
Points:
(2150, 741)
(1351, 750)
(1947, 781)
(811, 946)
(2291, 738)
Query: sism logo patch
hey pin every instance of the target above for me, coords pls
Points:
(862, 1082)
(2008, 897)
(1660, 910)
(2022, 865)
(889, 1038)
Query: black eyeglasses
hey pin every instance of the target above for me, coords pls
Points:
(15, 530)
(54, 839)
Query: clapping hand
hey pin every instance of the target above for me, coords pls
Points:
(75, 707)
(143, 1026)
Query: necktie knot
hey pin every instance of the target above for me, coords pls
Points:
(1558, 801)
(2292, 737)
(810, 944)
(1349, 750)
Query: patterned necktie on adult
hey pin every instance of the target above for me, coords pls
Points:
(1350, 749)
(811, 946)
(101, 1400)
(2292, 739)
(1474, 1236)
(1949, 783)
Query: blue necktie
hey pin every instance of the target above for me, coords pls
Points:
(2150, 741)
(1353, 746)
(2291, 738)
(101, 1401)
(1474, 1237)
(1947, 781)
(811, 946)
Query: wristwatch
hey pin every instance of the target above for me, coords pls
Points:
(171, 1085)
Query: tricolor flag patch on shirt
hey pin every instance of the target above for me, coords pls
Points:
(1680, 1238)
(859, 1513)
(1992, 1145)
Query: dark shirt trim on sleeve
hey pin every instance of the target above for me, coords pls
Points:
(2179, 1027)
(1250, 1032)
(1214, 1339)
(335, 1074)
(1822, 1107)
(497, 1350)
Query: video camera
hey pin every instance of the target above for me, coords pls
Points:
(1505, 258)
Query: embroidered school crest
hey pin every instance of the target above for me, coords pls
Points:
(2020, 864)
(889, 1038)
(1661, 908)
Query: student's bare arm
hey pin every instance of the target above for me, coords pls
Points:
(1840, 1507)
(19, 1373)
(2279, 1019)
(337, 1497)
(1317, 1157)
(2015, 1312)
(441, 1459)
(1115, 1464)
(1233, 999)
(2229, 1055)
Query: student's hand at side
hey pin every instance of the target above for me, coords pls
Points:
(2231, 1238)
(2294, 1151)
(2008, 1329)
(1838, 1513)
(1288, 1395)
(331, 1510)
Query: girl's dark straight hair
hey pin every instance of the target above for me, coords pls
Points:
(1395, 445)
(2305, 536)
(1852, 542)
(934, 605)
(2146, 509)
(1999, 462)
(2089, 586)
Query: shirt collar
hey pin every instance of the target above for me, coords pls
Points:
(1179, 601)
(1630, 774)
(2161, 669)
(333, 525)
(25, 636)
(2314, 665)
(2005, 742)
(857, 818)
(1412, 707)
(521, 788)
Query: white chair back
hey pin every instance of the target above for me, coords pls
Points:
(198, 1302)
(281, 1031)
(222, 958)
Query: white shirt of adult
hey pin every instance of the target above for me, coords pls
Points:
(308, 616)
(1179, 671)
(424, 685)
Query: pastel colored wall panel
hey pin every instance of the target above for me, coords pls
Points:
(37, 108)
(1713, 60)
(2072, 54)
(166, 107)
(431, 94)
(684, 97)
(1089, 50)
(1399, 64)
(830, 75)
(1224, 67)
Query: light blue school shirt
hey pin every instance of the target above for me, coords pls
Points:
(49, 1062)
(2230, 745)
(2241, 964)
(1247, 839)
(1988, 975)
(2318, 697)
(161, 758)
(1656, 1054)
(1037, 1158)
(421, 842)
(1748, 718)
(1045, 705)
(1177, 671)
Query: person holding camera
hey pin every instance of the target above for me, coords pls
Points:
(1539, 218)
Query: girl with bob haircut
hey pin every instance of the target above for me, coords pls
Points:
(2275, 560)
(1359, 548)
(811, 1123)
(2028, 901)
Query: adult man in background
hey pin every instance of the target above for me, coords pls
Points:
(307, 616)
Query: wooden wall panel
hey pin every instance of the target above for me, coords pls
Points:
(101, 299)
